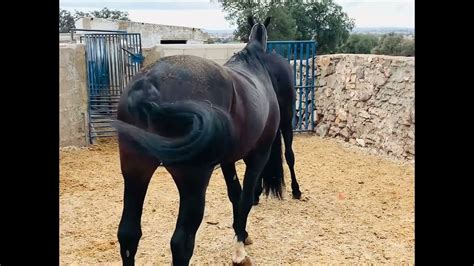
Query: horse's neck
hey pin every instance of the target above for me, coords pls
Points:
(248, 62)
(255, 45)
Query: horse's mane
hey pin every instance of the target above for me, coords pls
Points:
(249, 53)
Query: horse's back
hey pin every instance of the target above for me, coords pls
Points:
(184, 77)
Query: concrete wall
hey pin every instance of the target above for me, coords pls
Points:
(219, 53)
(151, 34)
(368, 101)
(72, 96)
(65, 37)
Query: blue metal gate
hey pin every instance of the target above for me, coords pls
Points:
(112, 59)
(302, 56)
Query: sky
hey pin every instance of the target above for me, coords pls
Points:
(208, 15)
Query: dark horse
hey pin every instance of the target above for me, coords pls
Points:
(281, 76)
(190, 114)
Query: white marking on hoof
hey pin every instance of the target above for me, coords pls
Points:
(248, 241)
(239, 252)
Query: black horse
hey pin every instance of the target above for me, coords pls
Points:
(190, 114)
(272, 176)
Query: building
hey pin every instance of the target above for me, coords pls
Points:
(151, 34)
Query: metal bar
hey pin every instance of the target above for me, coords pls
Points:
(140, 48)
(282, 47)
(105, 100)
(303, 41)
(134, 64)
(107, 64)
(294, 80)
(100, 65)
(313, 103)
(102, 121)
(288, 52)
(128, 64)
(105, 71)
(89, 86)
(306, 86)
(103, 111)
(301, 83)
(113, 52)
(106, 131)
(134, 53)
(101, 125)
(306, 91)
(125, 60)
(115, 70)
(101, 104)
(102, 115)
(120, 60)
(94, 64)
(98, 97)
(105, 136)
(111, 72)
(282, 50)
(88, 41)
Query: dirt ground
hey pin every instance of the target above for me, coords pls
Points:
(355, 208)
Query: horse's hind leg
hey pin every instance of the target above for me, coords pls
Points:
(192, 184)
(137, 170)
(287, 132)
(255, 162)
(258, 190)
(233, 188)
(233, 192)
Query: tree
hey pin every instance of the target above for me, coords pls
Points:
(239, 11)
(67, 20)
(282, 25)
(298, 20)
(395, 44)
(111, 14)
(390, 44)
(408, 47)
(359, 44)
(329, 24)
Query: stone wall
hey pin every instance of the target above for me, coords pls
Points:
(72, 96)
(368, 101)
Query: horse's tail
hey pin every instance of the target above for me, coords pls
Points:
(188, 132)
(272, 174)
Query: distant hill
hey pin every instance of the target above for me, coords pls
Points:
(366, 30)
(384, 30)
(219, 33)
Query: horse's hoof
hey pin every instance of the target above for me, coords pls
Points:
(296, 194)
(248, 241)
(245, 262)
(256, 201)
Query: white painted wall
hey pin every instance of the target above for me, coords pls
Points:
(151, 34)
